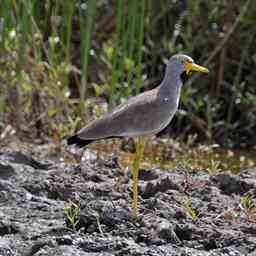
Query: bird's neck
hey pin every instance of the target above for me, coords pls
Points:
(170, 87)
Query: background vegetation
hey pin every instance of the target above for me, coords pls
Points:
(62, 61)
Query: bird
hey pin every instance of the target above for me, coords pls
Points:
(143, 115)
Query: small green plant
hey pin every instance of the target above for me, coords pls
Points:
(247, 203)
(185, 164)
(191, 211)
(72, 211)
(214, 166)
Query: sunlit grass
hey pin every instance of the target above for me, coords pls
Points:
(171, 156)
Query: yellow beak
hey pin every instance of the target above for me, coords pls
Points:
(190, 66)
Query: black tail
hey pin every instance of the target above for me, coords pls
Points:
(75, 140)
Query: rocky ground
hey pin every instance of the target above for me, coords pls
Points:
(50, 207)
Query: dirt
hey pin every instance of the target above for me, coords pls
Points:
(182, 212)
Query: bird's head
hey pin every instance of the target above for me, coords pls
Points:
(185, 65)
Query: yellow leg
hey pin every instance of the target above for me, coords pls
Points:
(140, 146)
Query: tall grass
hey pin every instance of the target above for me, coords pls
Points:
(117, 71)
(87, 20)
(139, 52)
(47, 49)
(24, 16)
(68, 12)
(128, 51)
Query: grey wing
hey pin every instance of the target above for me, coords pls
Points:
(135, 117)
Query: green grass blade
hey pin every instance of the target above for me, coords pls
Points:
(86, 27)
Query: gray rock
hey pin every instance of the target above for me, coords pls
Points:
(34, 201)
